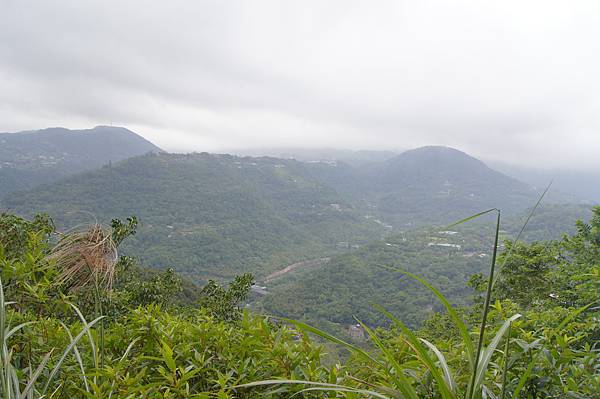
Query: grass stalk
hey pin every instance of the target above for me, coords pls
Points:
(505, 371)
(529, 216)
(486, 306)
(10, 384)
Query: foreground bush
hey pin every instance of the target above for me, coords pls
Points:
(136, 338)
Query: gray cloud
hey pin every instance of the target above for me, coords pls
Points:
(514, 80)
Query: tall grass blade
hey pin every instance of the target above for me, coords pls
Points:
(494, 276)
(32, 380)
(505, 368)
(89, 333)
(15, 382)
(402, 382)
(529, 216)
(443, 364)
(129, 348)
(90, 337)
(458, 322)
(487, 355)
(66, 352)
(486, 307)
(465, 220)
(9, 333)
(77, 357)
(523, 379)
(331, 338)
(372, 394)
(422, 354)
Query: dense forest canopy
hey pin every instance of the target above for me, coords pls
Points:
(215, 216)
(209, 216)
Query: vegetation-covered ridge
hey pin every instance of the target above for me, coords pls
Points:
(426, 186)
(206, 215)
(351, 282)
(214, 216)
(79, 320)
(29, 159)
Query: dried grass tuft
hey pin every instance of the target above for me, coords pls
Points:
(86, 256)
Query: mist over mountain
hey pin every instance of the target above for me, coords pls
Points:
(581, 186)
(356, 158)
(428, 185)
(31, 158)
(568, 185)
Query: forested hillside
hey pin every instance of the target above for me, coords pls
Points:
(321, 199)
(209, 216)
(426, 186)
(80, 320)
(28, 159)
(348, 285)
(351, 283)
(220, 215)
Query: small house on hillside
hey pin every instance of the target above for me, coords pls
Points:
(356, 331)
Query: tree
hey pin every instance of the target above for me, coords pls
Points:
(223, 304)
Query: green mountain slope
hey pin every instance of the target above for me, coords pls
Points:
(209, 216)
(31, 158)
(428, 185)
(350, 284)
(217, 216)
(332, 294)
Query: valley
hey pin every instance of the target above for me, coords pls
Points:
(319, 236)
(299, 200)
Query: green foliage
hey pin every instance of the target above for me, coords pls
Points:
(223, 303)
(525, 278)
(348, 285)
(208, 216)
(15, 232)
(151, 345)
(121, 231)
(550, 351)
(14, 383)
(148, 346)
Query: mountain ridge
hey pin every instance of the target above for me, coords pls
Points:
(209, 215)
(34, 157)
(427, 185)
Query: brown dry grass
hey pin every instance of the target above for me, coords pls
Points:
(86, 256)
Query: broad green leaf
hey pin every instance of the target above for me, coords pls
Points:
(488, 352)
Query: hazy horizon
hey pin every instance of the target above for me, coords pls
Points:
(328, 151)
(509, 82)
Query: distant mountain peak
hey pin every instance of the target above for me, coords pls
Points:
(443, 152)
(34, 157)
(84, 134)
(439, 148)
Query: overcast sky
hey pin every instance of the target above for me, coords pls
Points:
(511, 80)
